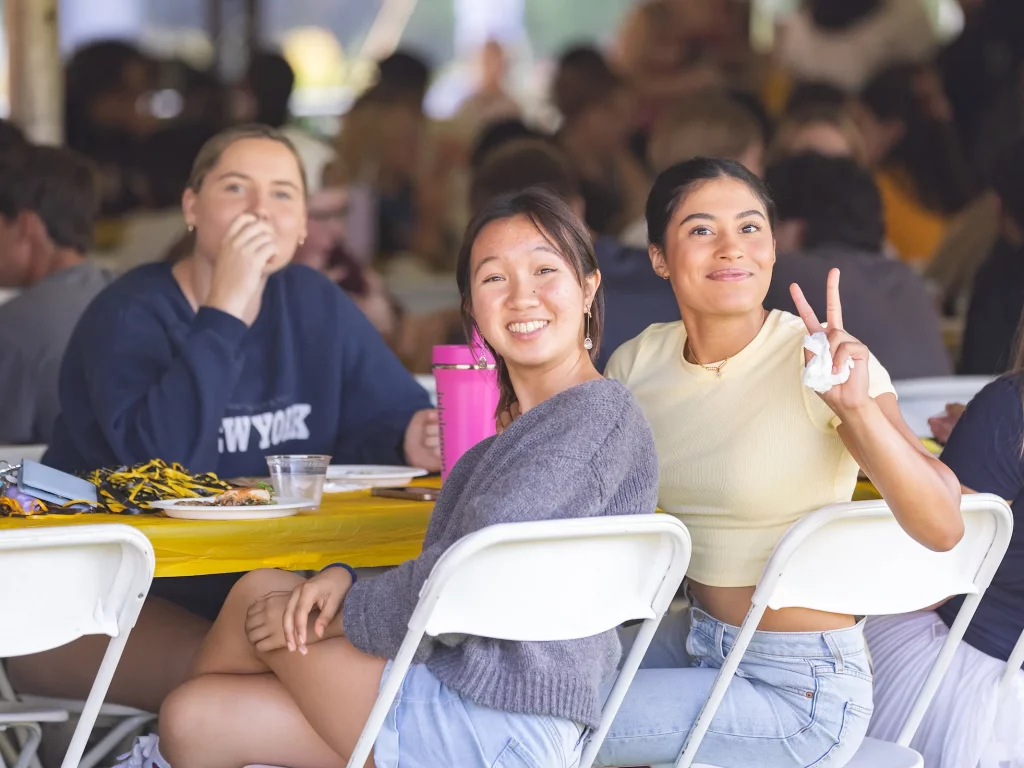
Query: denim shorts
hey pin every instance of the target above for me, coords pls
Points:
(798, 698)
(431, 726)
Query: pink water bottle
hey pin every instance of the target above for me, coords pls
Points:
(467, 396)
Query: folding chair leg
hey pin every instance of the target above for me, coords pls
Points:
(30, 745)
(114, 737)
(6, 747)
(34, 762)
(91, 709)
(11, 749)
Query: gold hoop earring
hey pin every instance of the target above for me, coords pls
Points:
(588, 343)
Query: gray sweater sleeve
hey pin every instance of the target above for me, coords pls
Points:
(377, 610)
(556, 465)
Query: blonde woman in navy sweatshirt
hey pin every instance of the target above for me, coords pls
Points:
(215, 362)
(234, 353)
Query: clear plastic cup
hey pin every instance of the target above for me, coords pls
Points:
(299, 477)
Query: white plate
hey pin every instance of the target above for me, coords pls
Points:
(342, 486)
(367, 476)
(186, 509)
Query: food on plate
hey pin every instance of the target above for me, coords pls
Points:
(241, 497)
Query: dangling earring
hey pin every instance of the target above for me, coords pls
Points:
(588, 343)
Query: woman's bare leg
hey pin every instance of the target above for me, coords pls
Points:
(226, 649)
(155, 661)
(228, 721)
(331, 690)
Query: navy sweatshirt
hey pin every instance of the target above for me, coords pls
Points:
(145, 377)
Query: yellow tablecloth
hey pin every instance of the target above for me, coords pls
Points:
(865, 491)
(355, 528)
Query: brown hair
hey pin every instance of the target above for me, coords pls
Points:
(645, 25)
(708, 125)
(521, 164)
(367, 130)
(583, 80)
(59, 185)
(836, 116)
(212, 151)
(564, 232)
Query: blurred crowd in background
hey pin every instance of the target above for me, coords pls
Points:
(894, 151)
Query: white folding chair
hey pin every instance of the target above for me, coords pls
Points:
(59, 584)
(920, 399)
(548, 580)
(855, 559)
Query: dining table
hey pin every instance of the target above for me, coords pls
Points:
(356, 528)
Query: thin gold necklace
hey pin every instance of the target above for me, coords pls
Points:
(715, 369)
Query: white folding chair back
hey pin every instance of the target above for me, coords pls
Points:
(547, 580)
(59, 584)
(855, 559)
(920, 399)
(15, 454)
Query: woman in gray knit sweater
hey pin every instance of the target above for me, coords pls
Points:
(291, 668)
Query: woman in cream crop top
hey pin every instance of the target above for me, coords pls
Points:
(742, 456)
(745, 450)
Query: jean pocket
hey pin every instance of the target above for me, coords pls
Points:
(515, 755)
(851, 735)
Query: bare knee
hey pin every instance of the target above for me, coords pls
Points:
(185, 719)
(226, 648)
(256, 584)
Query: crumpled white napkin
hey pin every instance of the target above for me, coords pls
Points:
(818, 371)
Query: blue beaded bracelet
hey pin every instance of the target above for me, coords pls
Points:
(349, 568)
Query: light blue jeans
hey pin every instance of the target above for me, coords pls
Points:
(798, 698)
(431, 726)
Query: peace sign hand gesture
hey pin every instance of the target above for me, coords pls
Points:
(852, 395)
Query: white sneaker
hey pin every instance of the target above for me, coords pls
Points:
(145, 754)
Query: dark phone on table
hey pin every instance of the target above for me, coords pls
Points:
(411, 493)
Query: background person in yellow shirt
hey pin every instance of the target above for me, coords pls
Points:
(745, 450)
(922, 172)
